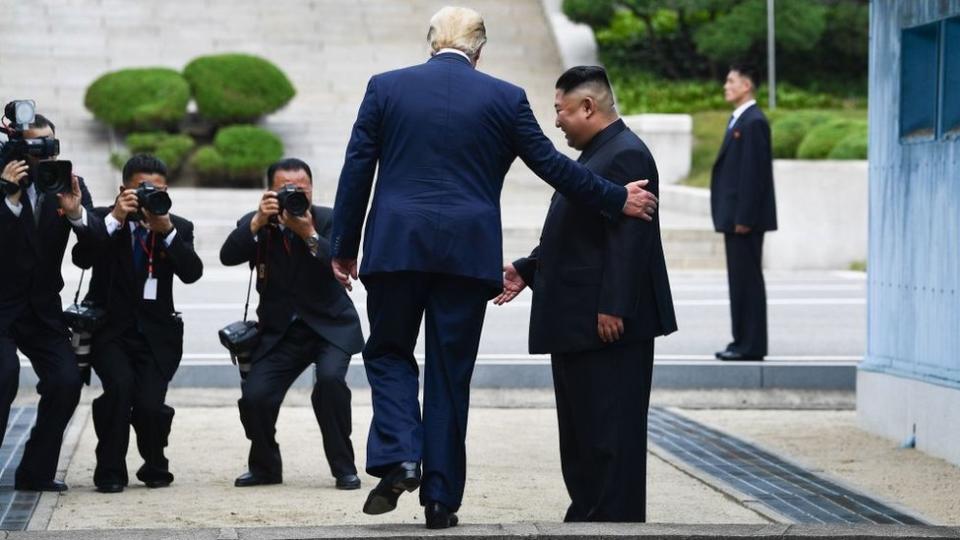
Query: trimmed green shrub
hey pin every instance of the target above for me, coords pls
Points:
(238, 157)
(141, 99)
(853, 145)
(820, 140)
(171, 149)
(790, 129)
(237, 88)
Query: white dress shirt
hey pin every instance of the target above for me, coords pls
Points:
(739, 111)
(458, 51)
(113, 226)
(32, 195)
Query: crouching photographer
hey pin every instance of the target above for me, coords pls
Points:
(139, 346)
(305, 318)
(43, 202)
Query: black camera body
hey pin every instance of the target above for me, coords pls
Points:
(293, 200)
(84, 320)
(49, 175)
(153, 199)
(241, 338)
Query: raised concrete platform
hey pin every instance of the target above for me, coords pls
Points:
(528, 371)
(520, 531)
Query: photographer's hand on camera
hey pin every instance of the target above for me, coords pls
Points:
(301, 226)
(70, 203)
(269, 206)
(158, 224)
(125, 205)
(14, 172)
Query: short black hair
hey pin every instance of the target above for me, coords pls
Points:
(143, 163)
(288, 164)
(40, 121)
(574, 77)
(749, 71)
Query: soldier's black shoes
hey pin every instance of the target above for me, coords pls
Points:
(110, 488)
(733, 356)
(51, 485)
(247, 479)
(348, 482)
(439, 516)
(383, 498)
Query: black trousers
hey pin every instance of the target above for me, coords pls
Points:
(266, 385)
(454, 308)
(602, 402)
(134, 391)
(59, 387)
(748, 296)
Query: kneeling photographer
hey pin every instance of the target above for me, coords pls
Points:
(43, 202)
(138, 349)
(305, 318)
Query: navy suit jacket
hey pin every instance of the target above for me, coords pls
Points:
(444, 135)
(741, 187)
(586, 264)
(30, 275)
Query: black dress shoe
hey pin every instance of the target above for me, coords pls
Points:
(383, 498)
(110, 488)
(439, 516)
(247, 479)
(154, 484)
(348, 482)
(733, 356)
(52, 485)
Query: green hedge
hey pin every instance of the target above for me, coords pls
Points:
(238, 157)
(821, 140)
(237, 88)
(171, 149)
(139, 99)
(789, 130)
(853, 145)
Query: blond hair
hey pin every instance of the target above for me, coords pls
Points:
(457, 28)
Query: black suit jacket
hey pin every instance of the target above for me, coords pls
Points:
(741, 186)
(295, 283)
(30, 274)
(588, 264)
(117, 285)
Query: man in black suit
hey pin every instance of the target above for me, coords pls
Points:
(137, 351)
(743, 205)
(34, 229)
(305, 318)
(600, 297)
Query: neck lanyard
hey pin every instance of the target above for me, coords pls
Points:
(149, 252)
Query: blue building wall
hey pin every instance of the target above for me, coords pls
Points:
(914, 246)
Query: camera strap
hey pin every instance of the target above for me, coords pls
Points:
(246, 306)
(76, 297)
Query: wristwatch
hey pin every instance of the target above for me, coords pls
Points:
(313, 243)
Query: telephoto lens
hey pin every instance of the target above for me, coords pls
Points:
(293, 200)
(80, 341)
(153, 199)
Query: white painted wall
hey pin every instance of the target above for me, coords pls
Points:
(670, 139)
(822, 214)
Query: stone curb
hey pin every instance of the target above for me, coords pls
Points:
(520, 531)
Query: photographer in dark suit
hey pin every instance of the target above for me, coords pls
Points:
(744, 208)
(305, 318)
(600, 297)
(137, 351)
(34, 229)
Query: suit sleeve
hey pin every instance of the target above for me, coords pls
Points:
(527, 266)
(755, 174)
(94, 234)
(186, 263)
(240, 246)
(565, 175)
(86, 253)
(627, 242)
(356, 177)
(321, 261)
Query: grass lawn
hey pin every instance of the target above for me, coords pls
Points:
(709, 127)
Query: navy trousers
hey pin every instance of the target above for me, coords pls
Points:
(748, 297)
(454, 307)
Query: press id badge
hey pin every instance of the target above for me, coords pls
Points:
(150, 288)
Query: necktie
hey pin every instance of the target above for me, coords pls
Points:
(139, 254)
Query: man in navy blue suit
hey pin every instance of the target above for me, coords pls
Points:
(443, 135)
(743, 204)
